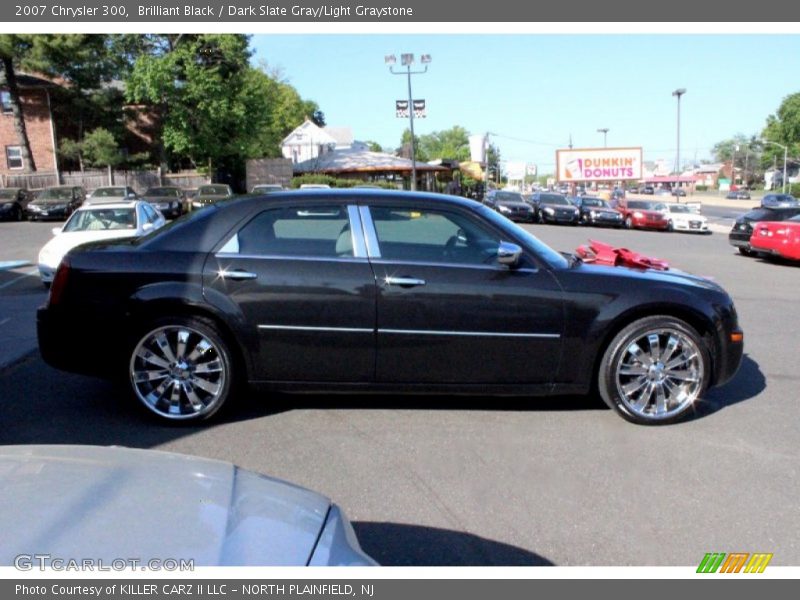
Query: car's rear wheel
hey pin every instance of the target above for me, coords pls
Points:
(654, 370)
(745, 251)
(670, 226)
(181, 369)
(628, 223)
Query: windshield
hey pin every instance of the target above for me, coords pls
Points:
(56, 194)
(679, 208)
(599, 202)
(508, 197)
(108, 193)
(783, 198)
(213, 190)
(641, 205)
(163, 192)
(102, 220)
(553, 199)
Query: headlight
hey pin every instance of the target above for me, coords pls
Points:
(549, 210)
(593, 213)
(638, 215)
(197, 204)
(575, 211)
(503, 209)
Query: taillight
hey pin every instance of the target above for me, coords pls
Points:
(59, 282)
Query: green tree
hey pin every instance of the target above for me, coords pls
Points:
(783, 127)
(374, 146)
(212, 106)
(450, 143)
(405, 147)
(100, 149)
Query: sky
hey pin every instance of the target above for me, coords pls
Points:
(533, 91)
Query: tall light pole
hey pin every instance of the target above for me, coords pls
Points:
(604, 131)
(678, 93)
(407, 60)
(785, 158)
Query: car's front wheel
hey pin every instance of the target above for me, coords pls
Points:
(654, 370)
(182, 369)
(628, 223)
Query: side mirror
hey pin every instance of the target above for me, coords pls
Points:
(509, 254)
(147, 226)
(56, 230)
(131, 195)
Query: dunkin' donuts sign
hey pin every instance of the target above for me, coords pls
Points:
(599, 164)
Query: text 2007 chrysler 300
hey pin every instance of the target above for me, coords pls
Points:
(364, 290)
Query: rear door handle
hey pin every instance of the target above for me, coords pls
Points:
(404, 281)
(237, 275)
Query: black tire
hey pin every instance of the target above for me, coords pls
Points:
(745, 251)
(617, 374)
(18, 214)
(670, 226)
(628, 222)
(189, 381)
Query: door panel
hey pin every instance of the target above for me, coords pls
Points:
(448, 313)
(300, 286)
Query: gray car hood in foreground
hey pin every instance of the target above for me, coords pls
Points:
(75, 502)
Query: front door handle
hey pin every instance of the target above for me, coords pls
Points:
(237, 275)
(404, 281)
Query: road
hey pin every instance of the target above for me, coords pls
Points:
(487, 481)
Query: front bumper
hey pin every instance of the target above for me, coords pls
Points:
(48, 212)
(604, 220)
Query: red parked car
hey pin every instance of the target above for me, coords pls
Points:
(642, 214)
(779, 238)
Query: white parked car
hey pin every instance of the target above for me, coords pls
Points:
(97, 222)
(314, 186)
(683, 218)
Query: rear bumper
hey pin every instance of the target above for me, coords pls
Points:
(740, 240)
(67, 344)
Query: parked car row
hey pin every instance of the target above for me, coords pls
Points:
(550, 207)
(59, 202)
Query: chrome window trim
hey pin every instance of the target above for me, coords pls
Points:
(470, 333)
(346, 259)
(310, 328)
(357, 232)
(370, 234)
(499, 268)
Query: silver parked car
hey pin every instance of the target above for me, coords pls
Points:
(110, 503)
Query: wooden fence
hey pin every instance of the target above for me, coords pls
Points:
(138, 180)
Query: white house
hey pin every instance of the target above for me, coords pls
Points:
(309, 141)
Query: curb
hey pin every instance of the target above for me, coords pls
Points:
(8, 265)
(18, 360)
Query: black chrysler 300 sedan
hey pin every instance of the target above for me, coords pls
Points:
(364, 290)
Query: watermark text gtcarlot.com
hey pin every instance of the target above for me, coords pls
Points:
(29, 562)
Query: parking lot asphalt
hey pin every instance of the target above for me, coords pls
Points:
(485, 481)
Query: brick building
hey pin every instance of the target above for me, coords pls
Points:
(35, 99)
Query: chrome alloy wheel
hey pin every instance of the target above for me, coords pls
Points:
(179, 373)
(660, 374)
